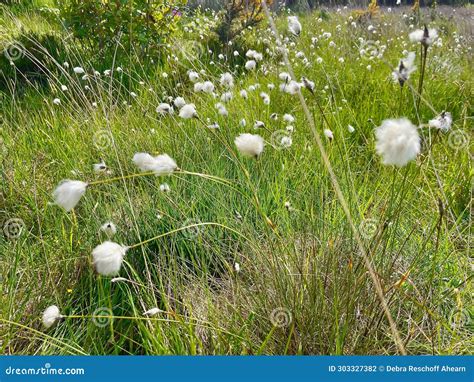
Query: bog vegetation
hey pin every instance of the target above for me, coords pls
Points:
(236, 180)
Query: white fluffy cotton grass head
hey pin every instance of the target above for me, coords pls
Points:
(164, 165)
(250, 65)
(288, 118)
(442, 122)
(188, 111)
(152, 312)
(291, 87)
(426, 36)
(51, 315)
(397, 141)
(328, 134)
(250, 145)
(144, 161)
(193, 76)
(294, 26)
(164, 108)
(405, 68)
(100, 168)
(68, 193)
(108, 257)
(227, 80)
(160, 165)
(109, 228)
(179, 102)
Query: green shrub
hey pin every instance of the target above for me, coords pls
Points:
(16, 2)
(237, 16)
(29, 59)
(143, 25)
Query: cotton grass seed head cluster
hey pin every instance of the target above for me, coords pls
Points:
(426, 36)
(442, 122)
(68, 193)
(160, 165)
(250, 144)
(405, 68)
(51, 315)
(108, 258)
(397, 141)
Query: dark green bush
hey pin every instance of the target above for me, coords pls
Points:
(140, 25)
(16, 2)
(29, 59)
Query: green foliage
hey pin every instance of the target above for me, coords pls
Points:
(324, 15)
(238, 16)
(132, 24)
(16, 2)
(30, 58)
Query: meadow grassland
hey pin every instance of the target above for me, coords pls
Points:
(252, 255)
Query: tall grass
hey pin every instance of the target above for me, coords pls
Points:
(303, 287)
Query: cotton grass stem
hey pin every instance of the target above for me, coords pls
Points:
(400, 101)
(258, 206)
(118, 178)
(66, 345)
(340, 196)
(323, 114)
(424, 53)
(150, 173)
(203, 324)
(144, 242)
